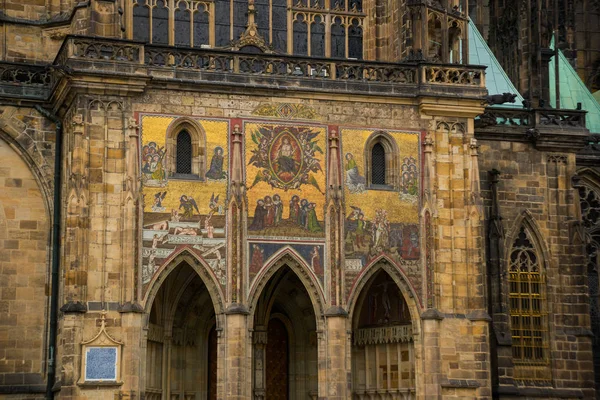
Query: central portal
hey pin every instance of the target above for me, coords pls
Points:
(285, 341)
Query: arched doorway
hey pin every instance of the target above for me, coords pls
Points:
(285, 341)
(383, 363)
(181, 352)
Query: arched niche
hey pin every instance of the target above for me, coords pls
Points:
(383, 339)
(182, 328)
(286, 315)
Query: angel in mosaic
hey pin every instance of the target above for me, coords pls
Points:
(189, 205)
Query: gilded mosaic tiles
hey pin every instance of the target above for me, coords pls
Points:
(390, 225)
(285, 180)
(183, 211)
(286, 111)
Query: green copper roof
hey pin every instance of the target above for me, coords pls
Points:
(573, 91)
(496, 80)
(596, 95)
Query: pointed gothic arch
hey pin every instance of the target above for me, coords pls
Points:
(43, 176)
(203, 271)
(184, 311)
(526, 219)
(288, 257)
(526, 262)
(385, 263)
(385, 324)
(286, 361)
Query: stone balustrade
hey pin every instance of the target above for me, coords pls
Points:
(129, 58)
(26, 81)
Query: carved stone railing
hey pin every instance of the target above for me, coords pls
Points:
(153, 394)
(548, 129)
(26, 81)
(391, 394)
(589, 156)
(564, 118)
(383, 335)
(113, 55)
(278, 65)
(498, 118)
(453, 75)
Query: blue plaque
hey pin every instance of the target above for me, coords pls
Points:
(101, 364)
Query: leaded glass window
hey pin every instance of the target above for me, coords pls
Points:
(527, 303)
(219, 23)
(378, 165)
(184, 153)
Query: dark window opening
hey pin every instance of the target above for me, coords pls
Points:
(355, 41)
(317, 37)
(184, 153)
(160, 23)
(338, 39)
(182, 25)
(201, 26)
(378, 165)
(141, 21)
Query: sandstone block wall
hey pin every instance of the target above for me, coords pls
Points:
(24, 255)
(535, 189)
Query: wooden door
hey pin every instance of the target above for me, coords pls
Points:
(277, 365)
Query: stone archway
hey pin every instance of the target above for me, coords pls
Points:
(383, 346)
(285, 356)
(182, 339)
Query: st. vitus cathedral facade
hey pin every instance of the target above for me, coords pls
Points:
(223, 199)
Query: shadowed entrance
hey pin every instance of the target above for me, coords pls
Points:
(382, 343)
(181, 354)
(285, 341)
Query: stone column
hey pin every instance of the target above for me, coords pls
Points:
(259, 341)
(431, 354)
(68, 360)
(338, 370)
(133, 370)
(236, 374)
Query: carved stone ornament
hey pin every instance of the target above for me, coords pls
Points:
(101, 359)
(384, 335)
(251, 36)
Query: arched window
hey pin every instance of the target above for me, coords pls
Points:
(382, 162)
(184, 153)
(378, 165)
(528, 311)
